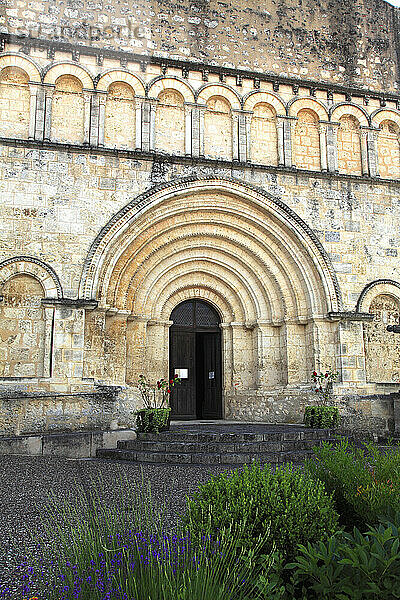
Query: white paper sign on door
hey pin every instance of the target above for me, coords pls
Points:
(182, 373)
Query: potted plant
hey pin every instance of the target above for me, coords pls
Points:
(155, 415)
(323, 414)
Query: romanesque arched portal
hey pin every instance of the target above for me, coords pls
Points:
(230, 245)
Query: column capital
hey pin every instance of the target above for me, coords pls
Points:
(350, 316)
(87, 304)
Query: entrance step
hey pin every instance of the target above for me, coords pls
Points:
(241, 445)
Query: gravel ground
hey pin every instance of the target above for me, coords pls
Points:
(26, 482)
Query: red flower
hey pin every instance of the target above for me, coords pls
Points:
(326, 374)
(171, 381)
(315, 373)
(168, 391)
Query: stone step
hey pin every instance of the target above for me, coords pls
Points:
(194, 436)
(202, 458)
(217, 446)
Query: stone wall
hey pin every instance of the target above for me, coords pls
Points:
(134, 189)
(103, 106)
(339, 41)
(22, 413)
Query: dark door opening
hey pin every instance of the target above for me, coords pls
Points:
(195, 354)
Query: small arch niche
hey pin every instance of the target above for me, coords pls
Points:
(218, 128)
(382, 348)
(263, 135)
(306, 141)
(389, 150)
(14, 103)
(67, 123)
(22, 328)
(170, 122)
(349, 145)
(120, 116)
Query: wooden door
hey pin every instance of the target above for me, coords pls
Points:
(182, 356)
(195, 351)
(209, 384)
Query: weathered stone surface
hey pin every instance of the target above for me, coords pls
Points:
(331, 41)
(132, 187)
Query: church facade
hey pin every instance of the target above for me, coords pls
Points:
(234, 218)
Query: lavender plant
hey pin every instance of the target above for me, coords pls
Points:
(123, 553)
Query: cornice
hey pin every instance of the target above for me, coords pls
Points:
(155, 157)
(51, 46)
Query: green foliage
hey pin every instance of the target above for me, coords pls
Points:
(350, 567)
(296, 508)
(363, 487)
(152, 420)
(321, 416)
(120, 551)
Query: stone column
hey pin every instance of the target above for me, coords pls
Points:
(138, 123)
(152, 142)
(136, 342)
(48, 111)
(94, 119)
(235, 135)
(248, 118)
(288, 123)
(115, 345)
(323, 146)
(195, 131)
(146, 125)
(33, 89)
(293, 349)
(157, 349)
(48, 337)
(188, 107)
(202, 110)
(243, 130)
(40, 112)
(102, 96)
(244, 358)
(396, 410)
(87, 96)
(281, 144)
(227, 355)
(269, 355)
(364, 151)
(372, 148)
(331, 145)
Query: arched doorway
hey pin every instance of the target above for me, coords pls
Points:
(195, 355)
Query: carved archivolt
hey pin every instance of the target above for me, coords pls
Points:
(218, 235)
(27, 265)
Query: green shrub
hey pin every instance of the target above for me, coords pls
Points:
(152, 420)
(296, 508)
(350, 567)
(363, 487)
(321, 416)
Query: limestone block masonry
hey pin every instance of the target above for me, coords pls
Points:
(263, 179)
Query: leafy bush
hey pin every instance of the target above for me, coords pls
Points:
(363, 487)
(350, 567)
(152, 420)
(296, 508)
(321, 416)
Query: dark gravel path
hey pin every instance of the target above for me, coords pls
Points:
(26, 481)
